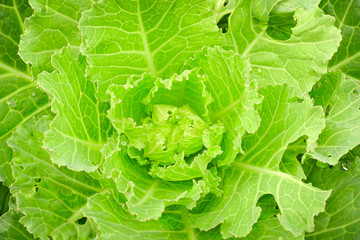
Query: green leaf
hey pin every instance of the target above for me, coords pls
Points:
(222, 8)
(20, 99)
(134, 37)
(146, 196)
(4, 199)
(340, 97)
(346, 13)
(283, 120)
(51, 198)
(53, 26)
(267, 226)
(300, 60)
(342, 213)
(234, 96)
(291, 160)
(116, 223)
(11, 229)
(80, 128)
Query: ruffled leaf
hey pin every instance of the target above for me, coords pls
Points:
(80, 128)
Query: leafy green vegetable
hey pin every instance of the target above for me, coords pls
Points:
(341, 217)
(20, 99)
(173, 119)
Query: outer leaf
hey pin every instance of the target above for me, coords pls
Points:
(53, 26)
(341, 100)
(11, 229)
(342, 214)
(125, 38)
(20, 100)
(291, 160)
(4, 199)
(51, 198)
(116, 223)
(80, 128)
(347, 16)
(267, 227)
(222, 8)
(298, 61)
(234, 96)
(256, 172)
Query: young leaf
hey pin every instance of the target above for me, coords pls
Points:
(234, 96)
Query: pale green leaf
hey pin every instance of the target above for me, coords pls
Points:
(146, 196)
(53, 26)
(80, 128)
(256, 172)
(234, 96)
(125, 38)
(51, 198)
(116, 223)
(299, 60)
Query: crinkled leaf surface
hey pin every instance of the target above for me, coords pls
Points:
(51, 198)
(20, 99)
(347, 16)
(80, 128)
(116, 223)
(341, 218)
(125, 38)
(234, 96)
(256, 172)
(146, 196)
(299, 60)
(53, 25)
(340, 97)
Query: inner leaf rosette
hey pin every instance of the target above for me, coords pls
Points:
(173, 135)
(167, 134)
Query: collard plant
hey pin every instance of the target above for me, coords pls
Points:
(172, 119)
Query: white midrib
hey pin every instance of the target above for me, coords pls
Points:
(269, 172)
(148, 54)
(228, 108)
